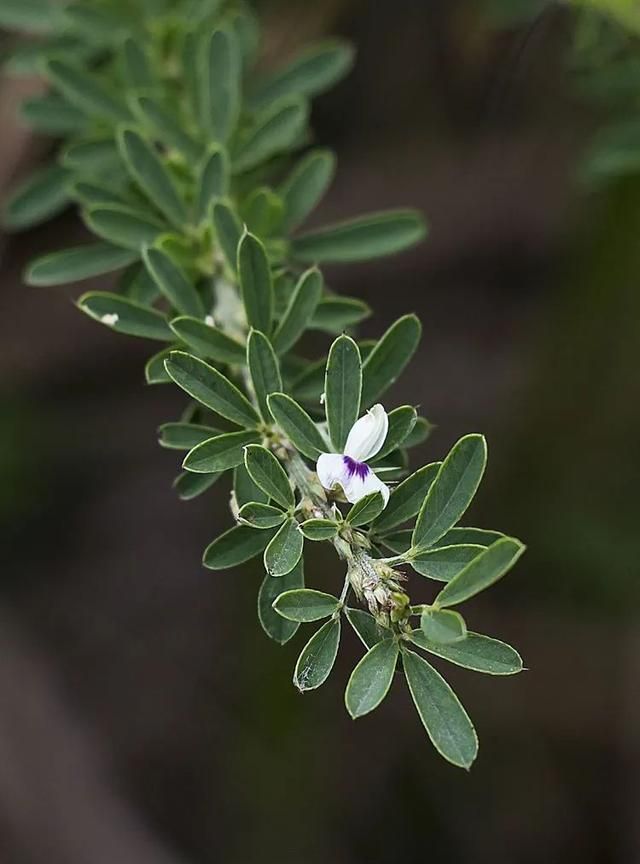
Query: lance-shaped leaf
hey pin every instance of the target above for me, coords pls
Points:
(443, 626)
(173, 282)
(299, 312)
(245, 490)
(444, 562)
(447, 723)
(401, 422)
(319, 529)
(317, 657)
(154, 369)
(184, 436)
(285, 550)
(296, 425)
(398, 541)
(473, 536)
(261, 516)
(306, 605)
(262, 211)
(211, 389)
(228, 231)
(81, 262)
(235, 546)
(213, 181)
(222, 86)
(166, 126)
(343, 386)
(264, 370)
(452, 491)
(406, 499)
(84, 91)
(125, 316)
(363, 238)
(43, 195)
(275, 626)
(485, 569)
(389, 358)
(365, 510)
(335, 314)
(150, 174)
(371, 679)
(53, 115)
(188, 486)
(93, 194)
(123, 225)
(366, 626)
(208, 341)
(255, 283)
(315, 70)
(305, 187)
(420, 432)
(267, 473)
(476, 652)
(278, 129)
(220, 453)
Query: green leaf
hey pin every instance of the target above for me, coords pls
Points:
(398, 541)
(485, 569)
(34, 16)
(317, 657)
(235, 546)
(452, 491)
(480, 653)
(296, 425)
(389, 358)
(343, 386)
(150, 173)
(220, 453)
(365, 510)
(447, 723)
(166, 126)
(245, 490)
(255, 283)
(228, 232)
(92, 194)
(299, 312)
(444, 562)
(305, 605)
(189, 486)
(95, 24)
(277, 130)
(51, 114)
(319, 529)
(406, 499)
(222, 86)
(173, 282)
(77, 263)
(366, 626)
(210, 388)
(267, 473)
(208, 341)
(39, 198)
(371, 679)
(401, 422)
(123, 226)
(420, 432)
(474, 536)
(335, 314)
(213, 181)
(264, 369)
(86, 92)
(317, 69)
(362, 238)
(262, 211)
(306, 186)
(309, 385)
(136, 64)
(274, 625)
(154, 371)
(184, 436)
(125, 316)
(261, 515)
(443, 626)
(94, 158)
(285, 550)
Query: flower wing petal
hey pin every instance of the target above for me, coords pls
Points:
(358, 486)
(331, 469)
(367, 434)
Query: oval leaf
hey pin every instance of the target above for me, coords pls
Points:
(235, 546)
(371, 679)
(267, 473)
(476, 652)
(343, 386)
(220, 453)
(296, 425)
(485, 569)
(285, 550)
(317, 657)
(306, 605)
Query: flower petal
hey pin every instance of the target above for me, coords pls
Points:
(367, 434)
(358, 486)
(331, 469)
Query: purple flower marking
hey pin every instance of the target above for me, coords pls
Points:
(358, 468)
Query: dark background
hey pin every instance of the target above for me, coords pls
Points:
(144, 716)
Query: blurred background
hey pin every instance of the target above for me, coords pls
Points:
(144, 716)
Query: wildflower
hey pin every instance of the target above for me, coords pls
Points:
(349, 469)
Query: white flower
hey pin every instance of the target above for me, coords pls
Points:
(349, 469)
